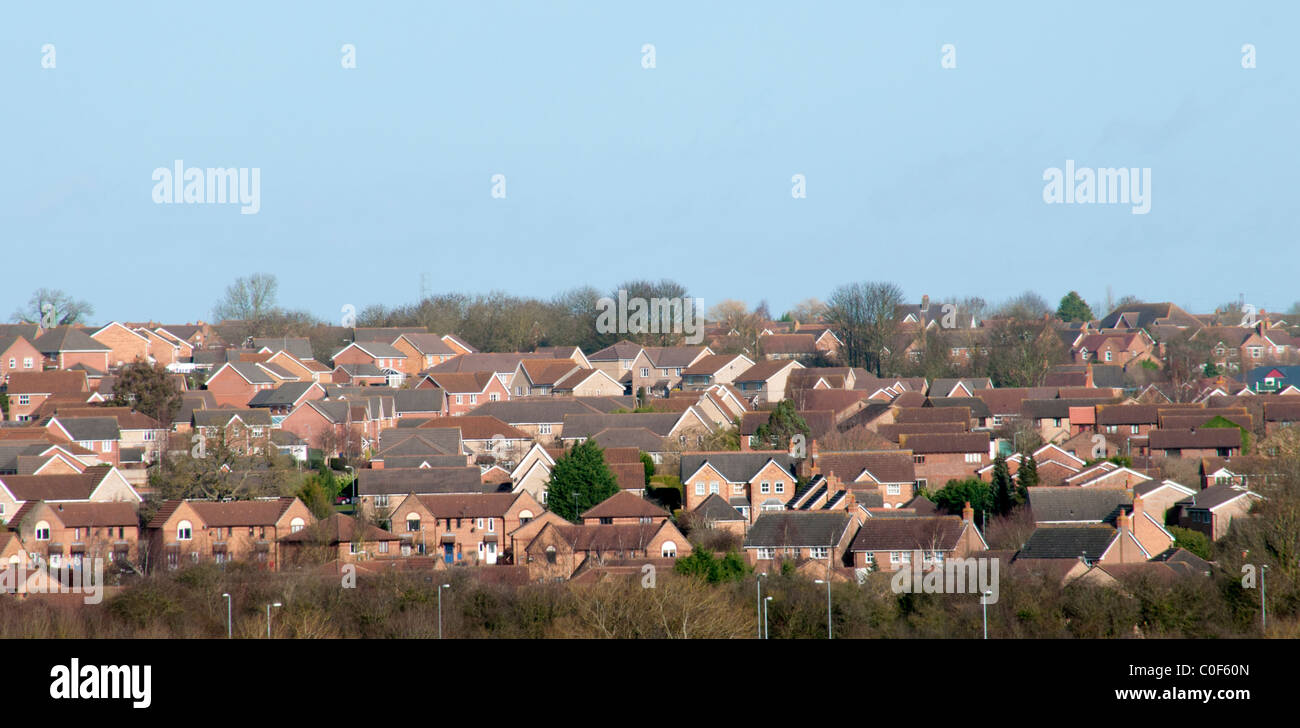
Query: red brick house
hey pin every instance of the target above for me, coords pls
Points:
(125, 344)
(65, 533)
(889, 544)
(939, 458)
(465, 391)
(235, 383)
(65, 347)
(17, 354)
(462, 527)
(29, 390)
(192, 531)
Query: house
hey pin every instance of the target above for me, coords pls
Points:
(1279, 415)
(1127, 349)
(480, 435)
(938, 458)
(559, 550)
(135, 429)
(686, 428)
(890, 473)
(889, 544)
(67, 532)
(623, 508)
(125, 344)
(797, 536)
(419, 404)
(714, 369)
(765, 382)
(462, 527)
(27, 391)
(234, 384)
(541, 417)
(244, 431)
(716, 513)
(341, 538)
(1206, 442)
(191, 531)
(385, 357)
(65, 347)
(282, 400)
(17, 354)
(100, 435)
(753, 482)
(380, 490)
(363, 375)
(97, 483)
(1212, 510)
(465, 391)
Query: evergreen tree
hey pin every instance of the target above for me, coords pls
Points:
(580, 480)
(1073, 308)
(648, 463)
(782, 424)
(149, 389)
(1003, 494)
(1026, 478)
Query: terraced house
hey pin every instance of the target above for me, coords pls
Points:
(195, 531)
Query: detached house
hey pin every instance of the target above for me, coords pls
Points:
(559, 550)
(385, 357)
(798, 536)
(765, 382)
(190, 531)
(889, 544)
(423, 351)
(1212, 510)
(29, 390)
(66, 532)
(236, 383)
(100, 435)
(465, 391)
(125, 344)
(462, 527)
(66, 347)
(17, 354)
(713, 369)
(752, 482)
(243, 431)
(98, 484)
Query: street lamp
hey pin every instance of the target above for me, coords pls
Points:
(268, 617)
(440, 588)
(758, 602)
(827, 582)
(766, 634)
(1263, 603)
(229, 629)
(985, 601)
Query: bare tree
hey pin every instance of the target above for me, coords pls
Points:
(865, 315)
(250, 300)
(52, 307)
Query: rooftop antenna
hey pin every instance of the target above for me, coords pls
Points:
(424, 286)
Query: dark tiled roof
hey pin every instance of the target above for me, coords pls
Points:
(1064, 503)
(625, 505)
(1214, 437)
(1067, 542)
(419, 480)
(736, 467)
(778, 529)
(962, 442)
(907, 534)
(714, 508)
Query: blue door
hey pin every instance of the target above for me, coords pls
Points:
(448, 552)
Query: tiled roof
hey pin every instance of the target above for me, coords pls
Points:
(906, 534)
(625, 505)
(776, 529)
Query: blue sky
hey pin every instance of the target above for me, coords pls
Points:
(374, 176)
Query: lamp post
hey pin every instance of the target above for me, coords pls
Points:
(985, 601)
(229, 624)
(827, 582)
(758, 602)
(1263, 602)
(766, 633)
(268, 617)
(440, 588)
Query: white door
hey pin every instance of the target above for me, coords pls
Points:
(491, 553)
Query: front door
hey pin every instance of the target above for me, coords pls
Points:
(449, 552)
(491, 553)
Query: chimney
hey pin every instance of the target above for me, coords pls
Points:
(925, 303)
(377, 464)
(744, 443)
(1087, 376)
(833, 484)
(813, 451)
(968, 513)
(850, 502)
(1137, 507)
(1124, 523)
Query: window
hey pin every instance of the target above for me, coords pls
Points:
(1109, 356)
(780, 486)
(492, 396)
(918, 459)
(920, 483)
(713, 486)
(24, 399)
(42, 531)
(550, 554)
(895, 556)
(765, 487)
(354, 547)
(478, 523)
(460, 399)
(974, 457)
(669, 550)
(544, 428)
(737, 488)
(764, 553)
(1133, 429)
(383, 547)
(27, 362)
(412, 522)
(184, 531)
(12, 362)
(699, 487)
(296, 525)
(893, 489)
(869, 558)
(645, 372)
(492, 525)
(381, 501)
(1112, 429)
(1255, 352)
(473, 399)
(819, 552)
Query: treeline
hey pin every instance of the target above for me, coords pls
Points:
(188, 603)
